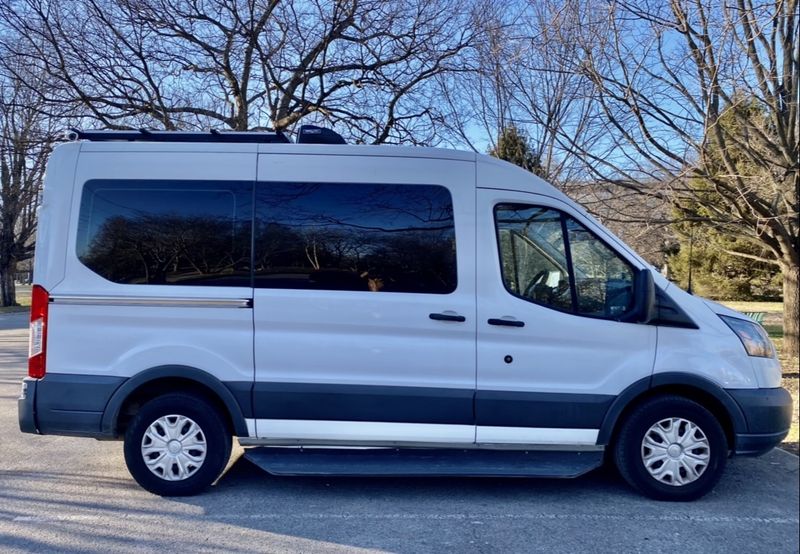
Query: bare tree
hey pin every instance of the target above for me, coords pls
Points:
(368, 66)
(24, 147)
(479, 98)
(697, 101)
(523, 77)
(548, 97)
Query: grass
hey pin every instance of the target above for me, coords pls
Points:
(23, 299)
(13, 309)
(766, 307)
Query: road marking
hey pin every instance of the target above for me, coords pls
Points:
(472, 518)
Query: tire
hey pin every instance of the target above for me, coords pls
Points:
(676, 473)
(185, 460)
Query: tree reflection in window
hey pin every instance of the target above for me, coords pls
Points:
(359, 237)
(167, 232)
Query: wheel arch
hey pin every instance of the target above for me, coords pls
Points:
(173, 378)
(701, 390)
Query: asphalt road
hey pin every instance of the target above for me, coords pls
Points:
(75, 495)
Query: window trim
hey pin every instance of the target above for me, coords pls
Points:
(622, 318)
(573, 287)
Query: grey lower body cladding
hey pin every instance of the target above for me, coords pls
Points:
(333, 402)
(66, 404)
(75, 404)
(768, 413)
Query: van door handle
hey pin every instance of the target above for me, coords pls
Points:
(447, 317)
(507, 322)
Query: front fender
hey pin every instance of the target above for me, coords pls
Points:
(673, 380)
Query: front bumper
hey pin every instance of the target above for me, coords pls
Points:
(768, 413)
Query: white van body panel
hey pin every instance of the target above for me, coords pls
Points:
(281, 431)
(554, 352)
(712, 352)
(53, 219)
(367, 151)
(287, 432)
(362, 338)
(539, 436)
(123, 339)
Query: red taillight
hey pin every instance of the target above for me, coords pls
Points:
(37, 345)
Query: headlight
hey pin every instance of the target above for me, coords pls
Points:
(753, 336)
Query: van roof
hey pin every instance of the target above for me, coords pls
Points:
(503, 174)
(285, 148)
(311, 140)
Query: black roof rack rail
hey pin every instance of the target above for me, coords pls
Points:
(178, 136)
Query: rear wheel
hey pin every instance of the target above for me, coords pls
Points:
(671, 448)
(177, 445)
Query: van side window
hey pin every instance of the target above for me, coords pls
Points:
(550, 259)
(603, 281)
(356, 237)
(533, 255)
(166, 232)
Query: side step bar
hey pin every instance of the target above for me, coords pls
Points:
(423, 462)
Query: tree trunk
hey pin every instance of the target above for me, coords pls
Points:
(8, 292)
(791, 310)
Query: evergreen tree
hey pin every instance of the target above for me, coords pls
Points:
(715, 272)
(513, 146)
(727, 261)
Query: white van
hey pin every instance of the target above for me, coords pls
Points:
(449, 313)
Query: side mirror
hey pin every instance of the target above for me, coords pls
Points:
(644, 303)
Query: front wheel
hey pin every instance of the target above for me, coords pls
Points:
(671, 448)
(176, 445)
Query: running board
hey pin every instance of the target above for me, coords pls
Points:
(422, 462)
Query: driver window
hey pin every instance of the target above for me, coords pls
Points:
(551, 259)
(533, 255)
(603, 281)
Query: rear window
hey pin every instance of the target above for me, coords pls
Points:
(358, 237)
(167, 232)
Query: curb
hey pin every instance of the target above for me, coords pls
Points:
(795, 456)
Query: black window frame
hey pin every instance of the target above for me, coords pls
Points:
(571, 271)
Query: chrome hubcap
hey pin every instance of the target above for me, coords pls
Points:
(174, 447)
(675, 451)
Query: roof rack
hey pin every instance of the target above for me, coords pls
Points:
(308, 134)
(177, 136)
